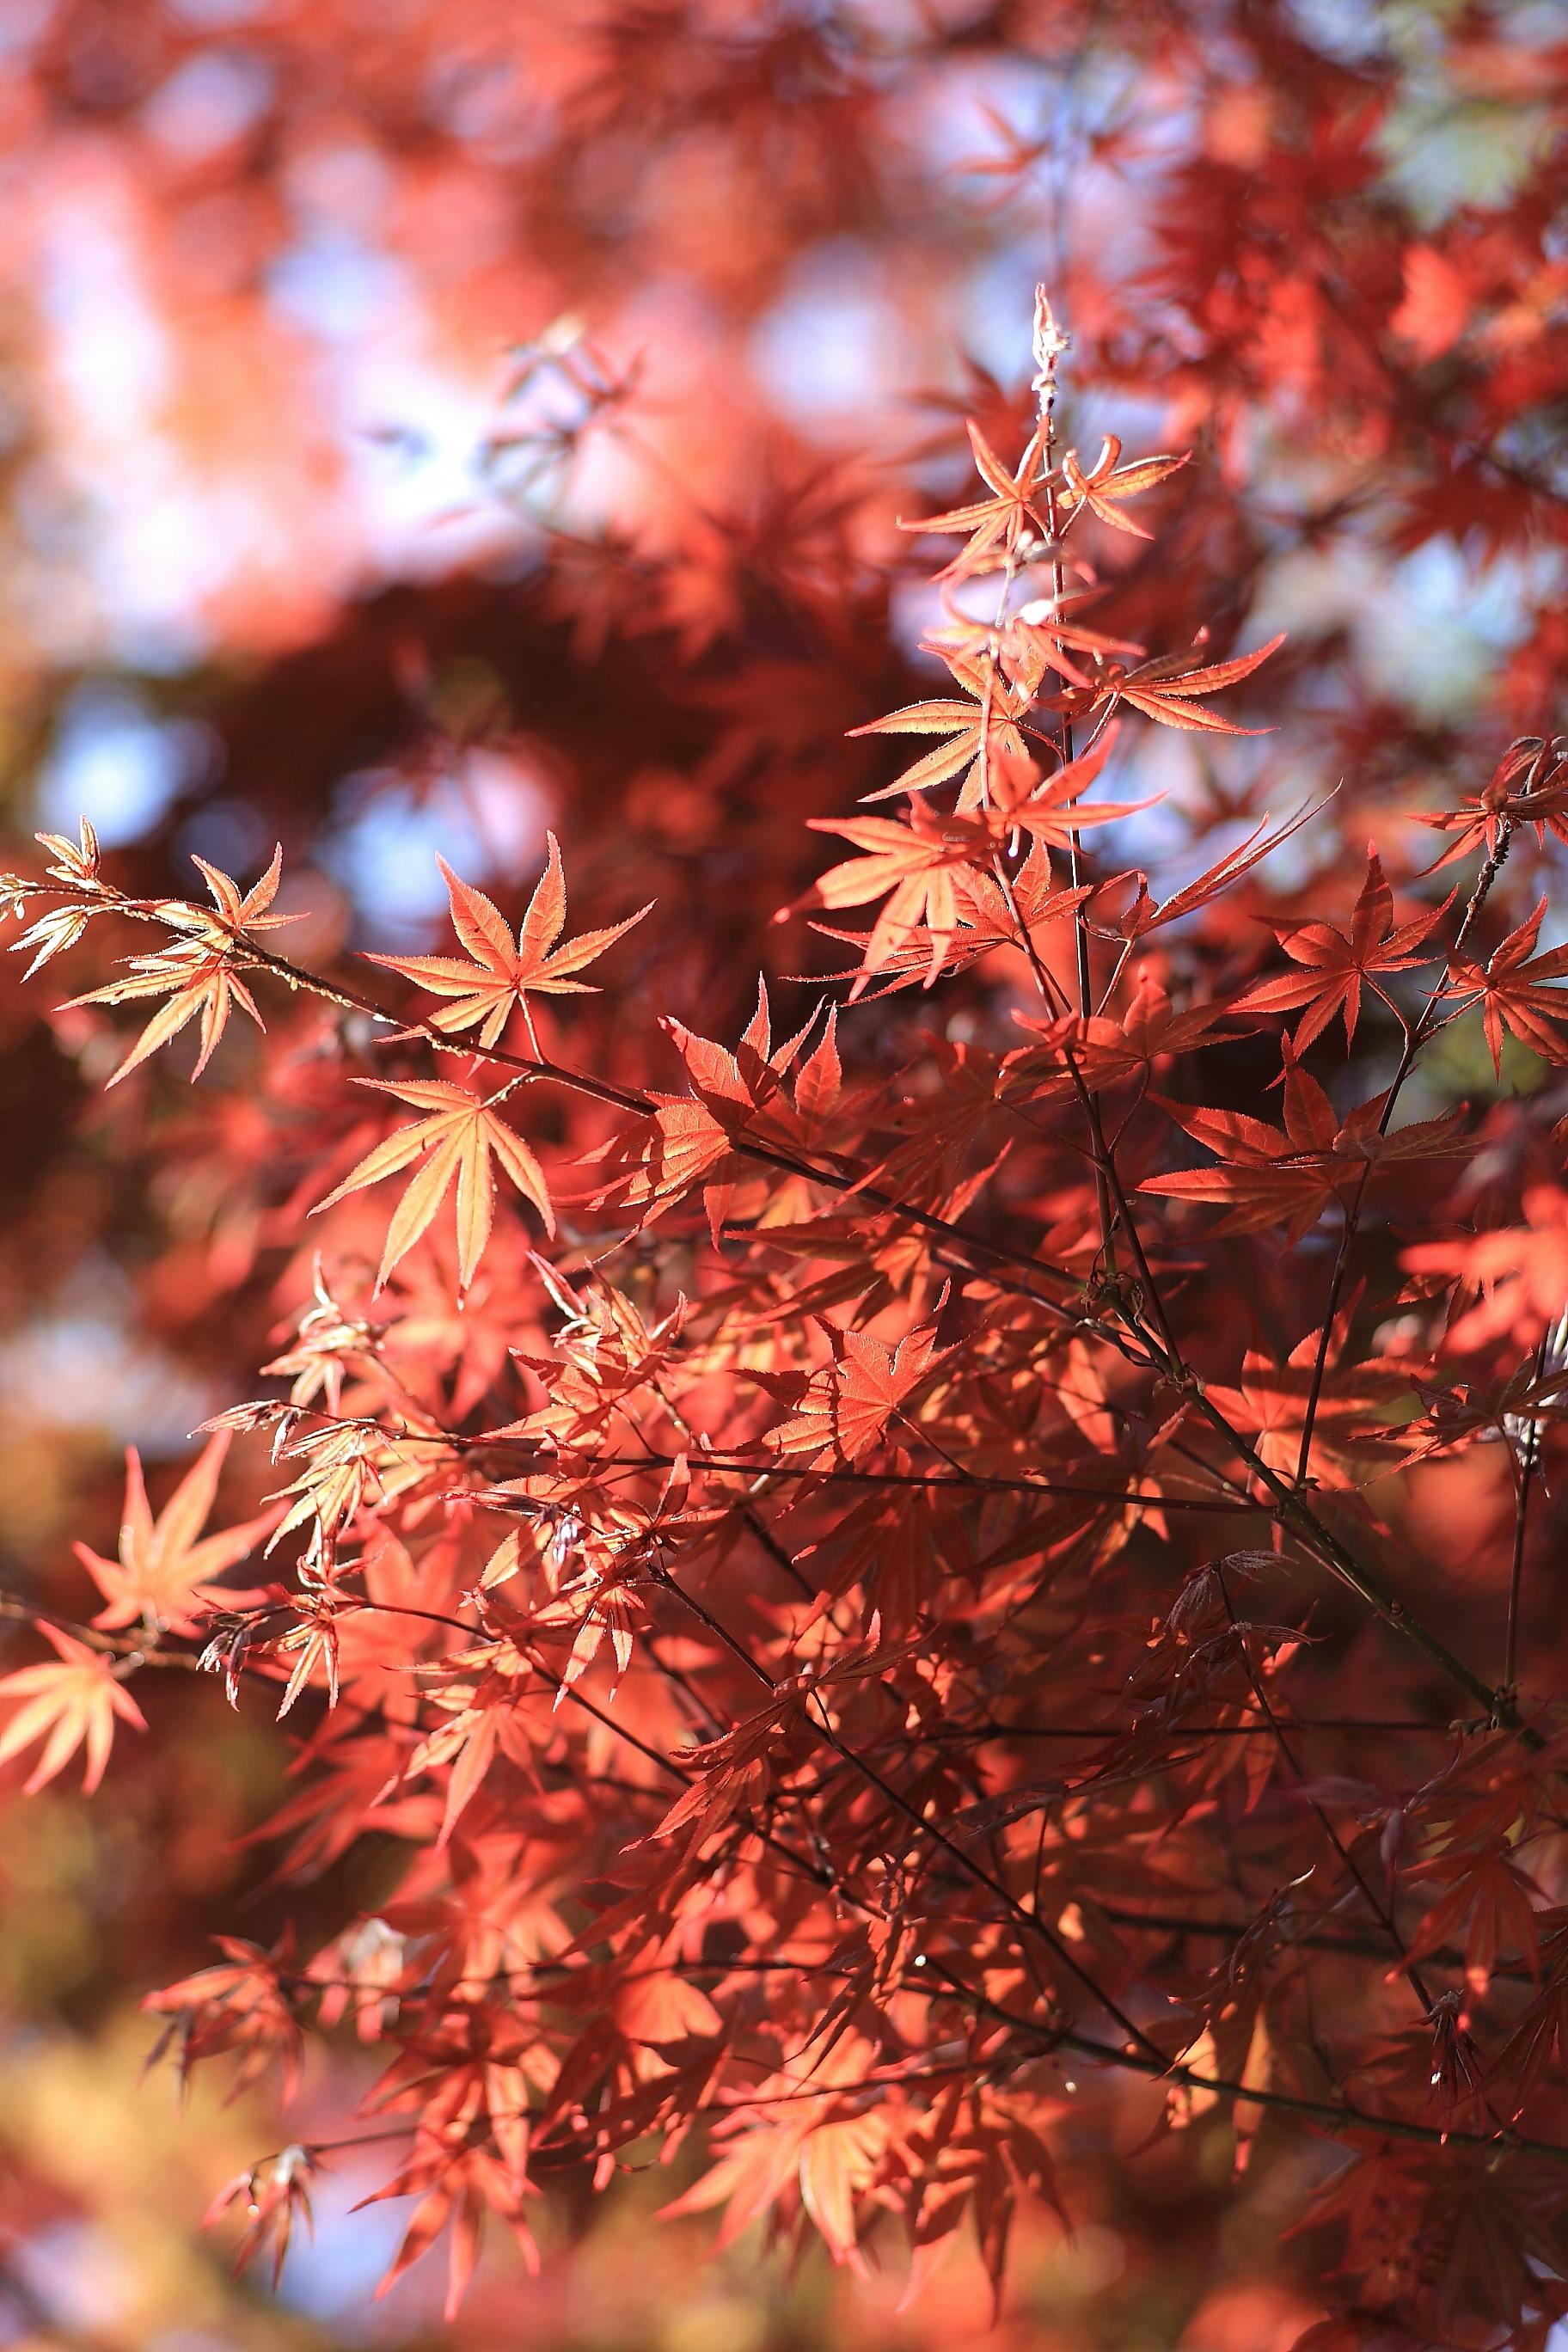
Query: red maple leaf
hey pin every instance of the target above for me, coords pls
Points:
(1336, 962)
(1513, 988)
(1268, 1175)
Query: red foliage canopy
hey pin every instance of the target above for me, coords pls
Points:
(941, 1589)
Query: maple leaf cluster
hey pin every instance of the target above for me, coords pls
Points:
(860, 1584)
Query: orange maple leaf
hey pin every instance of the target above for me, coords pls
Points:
(1165, 689)
(163, 1577)
(989, 719)
(74, 1703)
(459, 1132)
(691, 1138)
(1007, 518)
(1108, 482)
(913, 866)
(919, 865)
(844, 1408)
(497, 972)
(201, 972)
(1147, 913)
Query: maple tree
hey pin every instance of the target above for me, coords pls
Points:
(914, 1602)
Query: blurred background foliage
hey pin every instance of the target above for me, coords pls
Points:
(422, 420)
